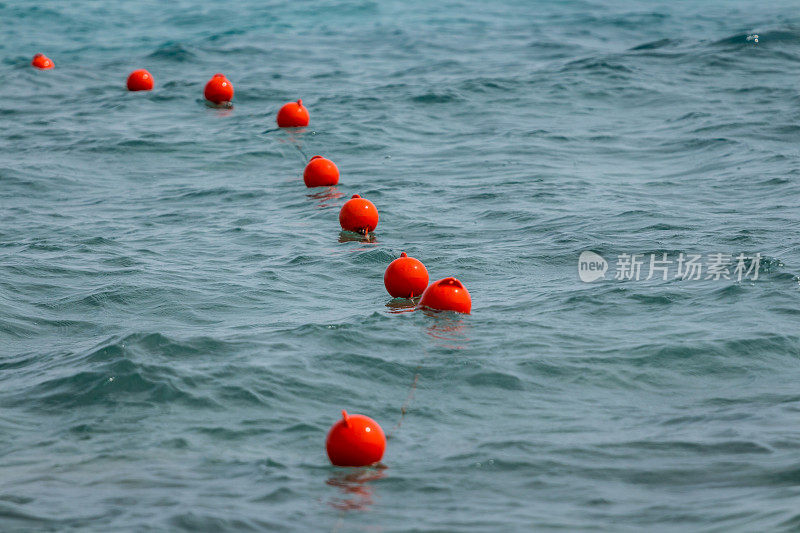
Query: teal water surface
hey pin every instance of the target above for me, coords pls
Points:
(181, 320)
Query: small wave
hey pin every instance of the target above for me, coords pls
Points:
(654, 45)
(437, 97)
(173, 51)
(597, 65)
(496, 379)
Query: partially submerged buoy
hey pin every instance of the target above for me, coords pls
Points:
(42, 62)
(447, 294)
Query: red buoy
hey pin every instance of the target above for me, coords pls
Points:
(219, 89)
(405, 277)
(42, 62)
(140, 80)
(358, 215)
(355, 440)
(293, 115)
(447, 294)
(320, 172)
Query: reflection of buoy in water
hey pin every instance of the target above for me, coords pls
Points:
(320, 172)
(140, 80)
(42, 62)
(219, 89)
(356, 489)
(355, 440)
(358, 215)
(447, 294)
(405, 277)
(293, 115)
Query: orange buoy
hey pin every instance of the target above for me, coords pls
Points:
(42, 62)
(358, 215)
(447, 294)
(320, 172)
(293, 115)
(405, 277)
(219, 89)
(140, 80)
(355, 440)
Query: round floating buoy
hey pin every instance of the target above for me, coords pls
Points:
(405, 277)
(293, 115)
(320, 172)
(42, 62)
(447, 294)
(140, 80)
(358, 215)
(355, 440)
(219, 89)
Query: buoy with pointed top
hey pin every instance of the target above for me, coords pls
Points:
(355, 440)
(320, 172)
(219, 89)
(140, 80)
(447, 294)
(293, 115)
(42, 62)
(405, 277)
(358, 215)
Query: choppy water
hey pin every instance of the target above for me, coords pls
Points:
(181, 320)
